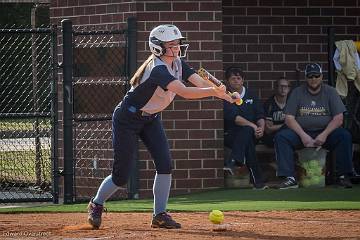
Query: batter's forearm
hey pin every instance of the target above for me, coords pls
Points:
(198, 81)
(195, 92)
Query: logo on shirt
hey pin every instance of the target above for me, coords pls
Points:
(313, 103)
(278, 116)
(312, 111)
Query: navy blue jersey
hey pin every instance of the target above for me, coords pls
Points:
(251, 110)
(151, 94)
(273, 112)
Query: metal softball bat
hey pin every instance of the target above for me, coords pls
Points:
(207, 76)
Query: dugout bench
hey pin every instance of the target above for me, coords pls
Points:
(266, 157)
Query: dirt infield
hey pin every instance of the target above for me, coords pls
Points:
(277, 225)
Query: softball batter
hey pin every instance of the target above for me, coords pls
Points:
(154, 86)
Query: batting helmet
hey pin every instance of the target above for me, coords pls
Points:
(165, 33)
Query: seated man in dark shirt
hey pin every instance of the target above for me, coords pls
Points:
(274, 111)
(314, 118)
(243, 125)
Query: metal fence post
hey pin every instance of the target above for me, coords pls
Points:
(133, 184)
(54, 117)
(68, 111)
(35, 83)
(331, 51)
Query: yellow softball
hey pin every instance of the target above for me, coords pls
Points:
(236, 95)
(216, 216)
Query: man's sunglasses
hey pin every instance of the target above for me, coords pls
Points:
(313, 76)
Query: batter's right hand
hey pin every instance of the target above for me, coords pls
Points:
(220, 92)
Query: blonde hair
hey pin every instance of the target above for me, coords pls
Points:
(134, 81)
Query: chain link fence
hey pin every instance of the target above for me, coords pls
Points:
(27, 85)
(95, 80)
(99, 83)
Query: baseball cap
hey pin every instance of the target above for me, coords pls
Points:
(314, 68)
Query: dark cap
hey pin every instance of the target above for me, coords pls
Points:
(313, 68)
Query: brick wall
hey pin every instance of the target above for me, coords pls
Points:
(194, 127)
(273, 38)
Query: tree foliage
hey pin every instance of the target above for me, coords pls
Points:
(19, 15)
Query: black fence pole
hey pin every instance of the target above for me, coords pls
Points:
(133, 184)
(68, 111)
(331, 80)
(331, 51)
(54, 117)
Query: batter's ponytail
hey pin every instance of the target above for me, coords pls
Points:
(134, 81)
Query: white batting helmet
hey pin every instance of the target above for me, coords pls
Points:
(165, 33)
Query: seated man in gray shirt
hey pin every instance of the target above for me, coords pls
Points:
(314, 116)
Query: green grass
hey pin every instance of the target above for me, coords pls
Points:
(20, 165)
(230, 200)
(23, 124)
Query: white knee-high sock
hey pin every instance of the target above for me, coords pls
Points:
(106, 189)
(161, 190)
